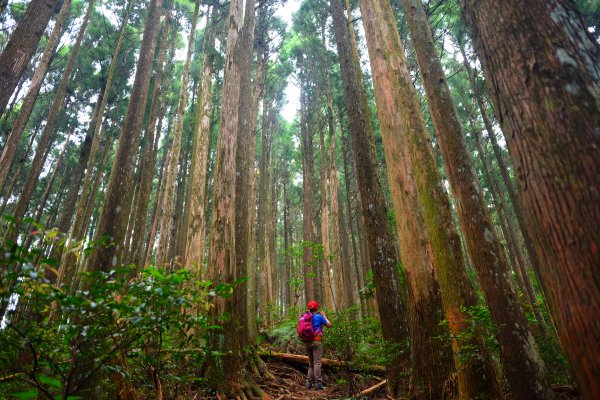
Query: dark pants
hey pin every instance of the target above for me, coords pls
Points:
(315, 355)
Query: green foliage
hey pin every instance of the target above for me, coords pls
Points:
(358, 341)
(480, 325)
(56, 340)
(284, 337)
(368, 291)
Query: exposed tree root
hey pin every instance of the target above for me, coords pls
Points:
(245, 389)
(257, 366)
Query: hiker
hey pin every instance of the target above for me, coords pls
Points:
(314, 347)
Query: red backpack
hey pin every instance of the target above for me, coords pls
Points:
(305, 327)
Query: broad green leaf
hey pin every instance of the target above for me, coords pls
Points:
(46, 380)
(30, 394)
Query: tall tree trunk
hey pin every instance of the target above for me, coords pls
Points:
(259, 89)
(77, 174)
(514, 200)
(79, 222)
(152, 136)
(431, 359)
(48, 133)
(508, 230)
(167, 223)
(113, 220)
(521, 359)
(341, 271)
(307, 193)
(37, 216)
(10, 146)
(356, 252)
(378, 236)
(350, 290)
(328, 299)
(222, 262)
(341, 267)
(196, 237)
(554, 146)
(272, 237)
(395, 89)
(22, 46)
(287, 270)
(151, 240)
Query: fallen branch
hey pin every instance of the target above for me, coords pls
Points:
(373, 388)
(297, 359)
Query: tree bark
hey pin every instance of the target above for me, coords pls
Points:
(378, 236)
(504, 171)
(328, 299)
(222, 250)
(547, 102)
(167, 40)
(172, 168)
(10, 146)
(22, 46)
(245, 157)
(196, 237)
(523, 366)
(307, 186)
(113, 220)
(48, 134)
(476, 376)
(429, 378)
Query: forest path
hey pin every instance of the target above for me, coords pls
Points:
(289, 383)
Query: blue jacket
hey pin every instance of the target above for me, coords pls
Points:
(318, 322)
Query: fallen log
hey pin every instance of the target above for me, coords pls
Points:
(297, 359)
(373, 388)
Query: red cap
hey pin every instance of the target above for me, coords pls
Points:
(313, 305)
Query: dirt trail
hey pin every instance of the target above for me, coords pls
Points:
(289, 384)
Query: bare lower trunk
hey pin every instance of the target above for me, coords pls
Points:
(429, 378)
(554, 147)
(328, 299)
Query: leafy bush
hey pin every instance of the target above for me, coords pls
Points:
(135, 327)
(480, 325)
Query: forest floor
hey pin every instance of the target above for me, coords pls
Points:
(289, 383)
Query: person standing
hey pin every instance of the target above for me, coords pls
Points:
(314, 348)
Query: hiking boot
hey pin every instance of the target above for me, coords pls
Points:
(319, 386)
(309, 384)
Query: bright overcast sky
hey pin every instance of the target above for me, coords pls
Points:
(292, 91)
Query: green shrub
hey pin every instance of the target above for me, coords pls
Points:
(137, 325)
